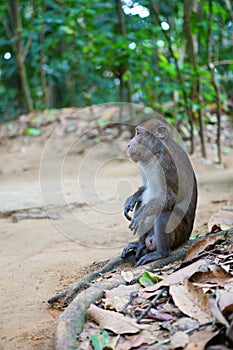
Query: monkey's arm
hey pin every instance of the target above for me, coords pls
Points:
(132, 201)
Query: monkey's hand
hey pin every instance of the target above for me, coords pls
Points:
(142, 221)
(132, 201)
(129, 206)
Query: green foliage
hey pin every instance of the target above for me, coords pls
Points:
(101, 340)
(149, 279)
(77, 54)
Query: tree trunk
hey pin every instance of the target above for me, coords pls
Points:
(192, 58)
(211, 68)
(43, 79)
(15, 31)
(24, 84)
(122, 29)
(188, 107)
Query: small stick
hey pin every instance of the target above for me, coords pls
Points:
(133, 295)
(152, 303)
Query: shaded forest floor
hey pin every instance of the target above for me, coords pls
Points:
(37, 260)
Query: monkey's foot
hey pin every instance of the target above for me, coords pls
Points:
(147, 258)
(135, 248)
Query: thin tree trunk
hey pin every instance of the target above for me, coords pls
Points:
(15, 33)
(123, 68)
(43, 79)
(188, 108)
(192, 52)
(122, 30)
(211, 68)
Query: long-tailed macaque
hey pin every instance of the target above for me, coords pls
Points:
(164, 207)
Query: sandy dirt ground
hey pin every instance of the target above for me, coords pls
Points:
(40, 257)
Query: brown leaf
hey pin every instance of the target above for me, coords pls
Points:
(216, 276)
(198, 340)
(113, 321)
(220, 218)
(184, 323)
(133, 341)
(225, 301)
(127, 276)
(121, 291)
(179, 340)
(116, 303)
(179, 275)
(191, 301)
(199, 247)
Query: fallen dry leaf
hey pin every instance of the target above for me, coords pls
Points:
(191, 301)
(179, 340)
(127, 276)
(133, 341)
(220, 218)
(113, 321)
(184, 324)
(121, 291)
(199, 247)
(225, 301)
(117, 303)
(198, 340)
(216, 276)
(179, 275)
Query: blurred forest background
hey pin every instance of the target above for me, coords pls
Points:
(173, 56)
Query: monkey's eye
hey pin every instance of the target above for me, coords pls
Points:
(137, 132)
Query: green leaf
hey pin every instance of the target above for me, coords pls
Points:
(162, 58)
(100, 340)
(195, 235)
(32, 132)
(127, 76)
(149, 279)
(67, 30)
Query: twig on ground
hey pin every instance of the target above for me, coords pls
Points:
(152, 303)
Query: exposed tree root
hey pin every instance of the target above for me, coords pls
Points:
(178, 254)
(71, 321)
(85, 283)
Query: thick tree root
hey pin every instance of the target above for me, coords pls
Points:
(176, 255)
(70, 293)
(72, 320)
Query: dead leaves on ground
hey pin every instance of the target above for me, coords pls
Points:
(189, 308)
(221, 220)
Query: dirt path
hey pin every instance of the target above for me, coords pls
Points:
(40, 257)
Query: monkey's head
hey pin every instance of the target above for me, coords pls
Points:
(148, 141)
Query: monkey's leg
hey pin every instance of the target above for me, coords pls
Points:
(135, 248)
(160, 240)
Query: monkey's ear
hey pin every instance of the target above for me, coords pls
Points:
(161, 132)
